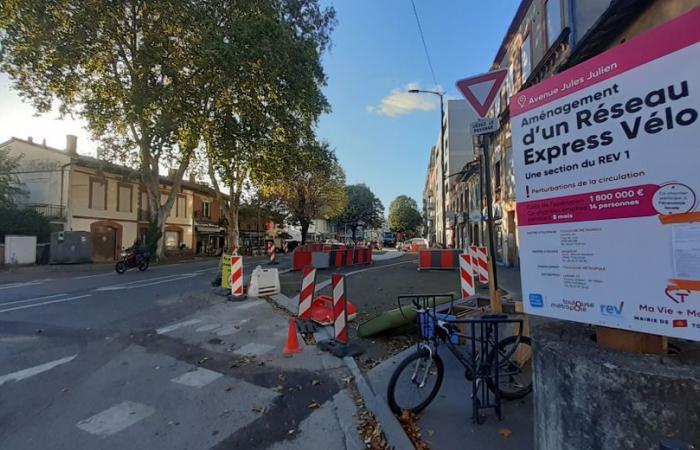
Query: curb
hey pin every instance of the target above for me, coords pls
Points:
(394, 433)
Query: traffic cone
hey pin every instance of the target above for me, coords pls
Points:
(292, 340)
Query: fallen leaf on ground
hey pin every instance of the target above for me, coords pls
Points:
(259, 409)
(313, 405)
(409, 422)
(505, 432)
(315, 382)
(203, 359)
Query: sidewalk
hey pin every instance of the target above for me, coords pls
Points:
(447, 422)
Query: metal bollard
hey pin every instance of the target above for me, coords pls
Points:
(674, 444)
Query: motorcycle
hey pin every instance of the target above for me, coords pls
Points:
(129, 260)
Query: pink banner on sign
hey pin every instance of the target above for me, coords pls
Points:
(634, 201)
(660, 41)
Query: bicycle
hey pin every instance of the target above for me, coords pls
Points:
(425, 369)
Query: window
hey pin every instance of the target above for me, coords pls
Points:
(525, 59)
(98, 194)
(206, 210)
(181, 207)
(124, 198)
(509, 82)
(172, 239)
(497, 175)
(553, 21)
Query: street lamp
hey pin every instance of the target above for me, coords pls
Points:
(442, 159)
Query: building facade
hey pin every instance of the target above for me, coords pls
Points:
(446, 162)
(81, 193)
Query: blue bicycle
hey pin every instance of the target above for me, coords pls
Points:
(507, 367)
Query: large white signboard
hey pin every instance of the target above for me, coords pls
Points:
(607, 166)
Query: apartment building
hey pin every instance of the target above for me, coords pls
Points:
(82, 193)
(447, 160)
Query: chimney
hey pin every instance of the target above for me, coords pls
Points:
(30, 139)
(72, 144)
(172, 173)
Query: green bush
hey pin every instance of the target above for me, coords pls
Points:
(26, 222)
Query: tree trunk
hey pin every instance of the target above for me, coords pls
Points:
(233, 232)
(353, 228)
(304, 230)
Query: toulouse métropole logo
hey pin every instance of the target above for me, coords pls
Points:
(521, 100)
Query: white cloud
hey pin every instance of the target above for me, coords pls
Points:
(400, 102)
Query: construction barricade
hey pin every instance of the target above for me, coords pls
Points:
(324, 256)
(435, 258)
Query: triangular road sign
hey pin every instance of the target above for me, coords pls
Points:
(481, 90)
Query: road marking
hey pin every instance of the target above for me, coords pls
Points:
(248, 304)
(34, 305)
(198, 378)
(254, 349)
(30, 372)
(15, 302)
(177, 325)
(93, 276)
(116, 418)
(23, 284)
(148, 282)
(208, 327)
(230, 329)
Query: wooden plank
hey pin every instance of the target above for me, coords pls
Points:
(494, 295)
(631, 341)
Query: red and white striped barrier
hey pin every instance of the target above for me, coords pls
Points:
(483, 264)
(271, 252)
(466, 275)
(306, 296)
(339, 306)
(237, 276)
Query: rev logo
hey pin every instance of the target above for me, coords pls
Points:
(612, 310)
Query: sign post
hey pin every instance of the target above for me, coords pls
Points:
(608, 177)
(480, 92)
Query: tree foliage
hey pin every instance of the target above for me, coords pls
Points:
(129, 68)
(310, 187)
(25, 222)
(11, 190)
(265, 91)
(363, 208)
(404, 216)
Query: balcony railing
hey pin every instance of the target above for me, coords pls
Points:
(201, 218)
(48, 210)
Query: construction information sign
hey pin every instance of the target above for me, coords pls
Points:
(607, 166)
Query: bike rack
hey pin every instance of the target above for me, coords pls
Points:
(482, 330)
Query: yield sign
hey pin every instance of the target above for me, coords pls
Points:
(481, 90)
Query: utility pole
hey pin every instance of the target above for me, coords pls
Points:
(489, 210)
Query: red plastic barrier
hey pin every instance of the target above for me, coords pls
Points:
(436, 258)
(359, 256)
(300, 259)
(368, 256)
(350, 257)
(339, 258)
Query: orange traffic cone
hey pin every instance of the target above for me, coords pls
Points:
(292, 340)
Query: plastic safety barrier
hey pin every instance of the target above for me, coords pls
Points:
(436, 258)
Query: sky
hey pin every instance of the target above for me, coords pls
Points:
(381, 134)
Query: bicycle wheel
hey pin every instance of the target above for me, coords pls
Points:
(415, 382)
(514, 367)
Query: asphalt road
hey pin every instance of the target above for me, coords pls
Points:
(92, 359)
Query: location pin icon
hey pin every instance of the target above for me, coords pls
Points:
(521, 100)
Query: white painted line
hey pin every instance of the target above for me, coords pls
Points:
(27, 283)
(115, 419)
(16, 302)
(34, 305)
(148, 282)
(30, 372)
(249, 304)
(208, 327)
(198, 378)
(177, 325)
(93, 276)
